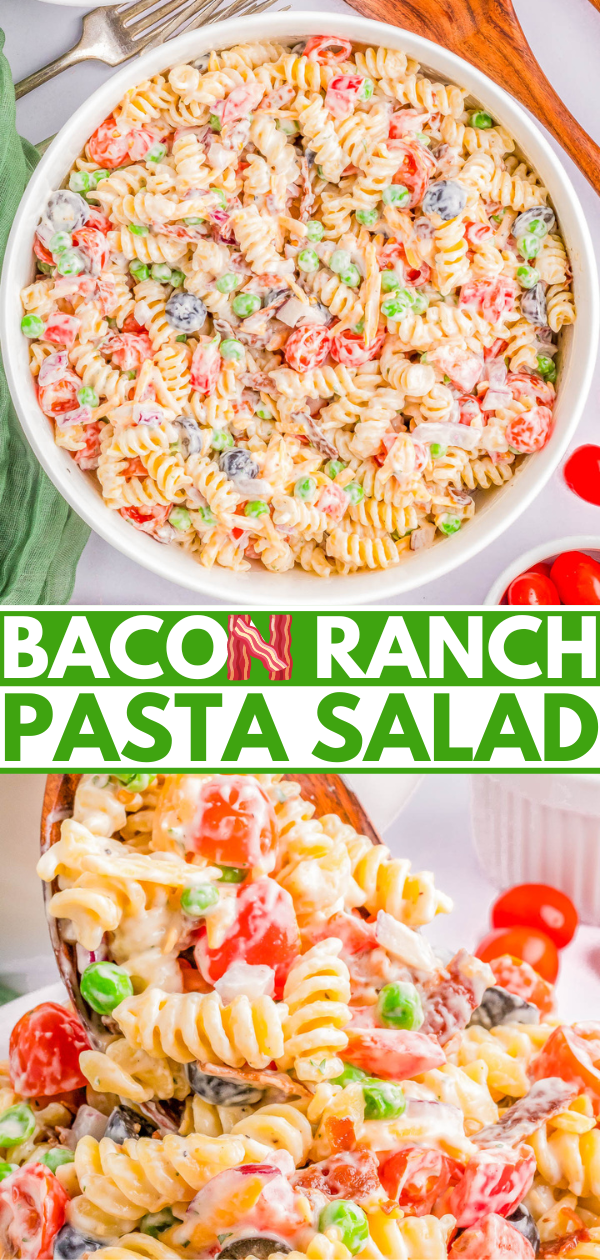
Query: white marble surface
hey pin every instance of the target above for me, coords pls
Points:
(566, 41)
(434, 831)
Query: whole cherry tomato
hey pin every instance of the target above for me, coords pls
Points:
(527, 943)
(416, 1177)
(543, 566)
(532, 588)
(32, 1210)
(572, 1052)
(307, 348)
(576, 578)
(582, 472)
(44, 1050)
(518, 977)
(529, 431)
(263, 933)
(539, 906)
(235, 823)
(492, 1239)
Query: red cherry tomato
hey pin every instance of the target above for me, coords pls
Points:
(88, 456)
(496, 1179)
(529, 431)
(107, 146)
(327, 48)
(518, 977)
(61, 329)
(130, 325)
(333, 500)
(543, 566)
(128, 350)
(349, 348)
(41, 252)
(32, 1210)
(342, 94)
(572, 1052)
(352, 1175)
(205, 365)
(264, 932)
(577, 578)
(59, 396)
(539, 906)
(524, 942)
(148, 520)
(532, 588)
(235, 823)
(415, 1177)
(307, 348)
(582, 472)
(492, 1239)
(96, 219)
(415, 168)
(392, 1053)
(44, 1050)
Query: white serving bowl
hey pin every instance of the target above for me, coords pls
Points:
(499, 507)
(545, 551)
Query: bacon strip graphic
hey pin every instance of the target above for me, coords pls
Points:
(246, 642)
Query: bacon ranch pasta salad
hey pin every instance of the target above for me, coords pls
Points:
(297, 304)
(275, 1060)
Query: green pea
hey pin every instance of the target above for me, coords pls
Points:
(305, 488)
(446, 379)
(497, 218)
(104, 985)
(221, 440)
(70, 263)
(314, 230)
(351, 276)
(98, 176)
(450, 525)
(355, 492)
(396, 195)
(138, 229)
(160, 272)
(263, 412)
(368, 217)
(527, 277)
(177, 278)
(360, 327)
(180, 518)
(156, 153)
(232, 874)
(349, 1219)
(214, 122)
(437, 451)
(55, 1157)
(384, 1100)
(16, 1125)
(231, 350)
(46, 268)
(396, 305)
(350, 1074)
(423, 137)
(131, 374)
(366, 90)
(135, 780)
(257, 507)
(333, 467)
(80, 181)
(60, 242)
(155, 1223)
(389, 281)
(32, 325)
(419, 302)
(139, 270)
(193, 220)
(308, 260)
(245, 304)
(529, 246)
(538, 227)
(546, 367)
(87, 397)
(206, 515)
(7, 1169)
(195, 901)
(226, 283)
(181, 337)
(289, 126)
(399, 1006)
(340, 261)
(481, 120)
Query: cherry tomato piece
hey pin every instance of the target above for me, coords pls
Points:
(533, 588)
(416, 1177)
(393, 1053)
(527, 943)
(307, 348)
(44, 1050)
(32, 1210)
(264, 932)
(582, 473)
(529, 431)
(492, 1239)
(539, 906)
(572, 1052)
(351, 1175)
(576, 577)
(235, 823)
(88, 456)
(349, 348)
(495, 1178)
(107, 146)
(59, 396)
(205, 365)
(147, 520)
(327, 48)
(518, 977)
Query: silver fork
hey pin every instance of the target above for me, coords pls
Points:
(115, 34)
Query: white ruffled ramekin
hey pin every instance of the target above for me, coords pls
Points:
(540, 828)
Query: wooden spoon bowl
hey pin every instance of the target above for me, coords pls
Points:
(327, 792)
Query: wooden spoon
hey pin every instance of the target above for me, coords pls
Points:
(488, 34)
(327, 792)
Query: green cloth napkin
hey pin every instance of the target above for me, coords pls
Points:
(41, 538)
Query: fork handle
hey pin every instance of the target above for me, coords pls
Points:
(48, 72)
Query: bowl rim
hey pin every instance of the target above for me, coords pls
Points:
(542, 551)
(367, 586)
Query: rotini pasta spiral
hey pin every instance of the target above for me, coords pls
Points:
(190, 1026)
(316, 992)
